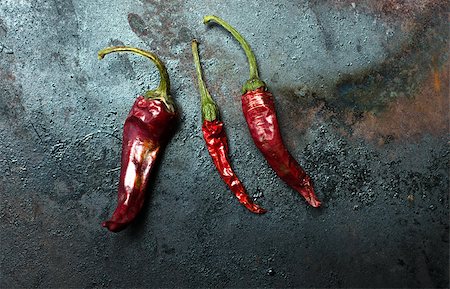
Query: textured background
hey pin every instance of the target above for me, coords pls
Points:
(362, 96)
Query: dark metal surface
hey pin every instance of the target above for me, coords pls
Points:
(362, 95)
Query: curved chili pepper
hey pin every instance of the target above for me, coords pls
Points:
(259, 111)
(146, 129)
(216, 140)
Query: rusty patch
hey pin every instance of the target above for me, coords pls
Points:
(3, 29)
(399, 75)
(137, 24)
(409, 118)
(393, 9)
(404, 9)
(408, 14)
(11, 105)
(156, 25)
(401, 81)
(304, 106)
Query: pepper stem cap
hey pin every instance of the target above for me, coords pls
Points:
(210, 111)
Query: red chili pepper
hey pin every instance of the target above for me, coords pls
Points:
(216, 140)
(259, 111)
(146, 129)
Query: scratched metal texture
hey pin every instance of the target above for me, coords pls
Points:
(361, 90)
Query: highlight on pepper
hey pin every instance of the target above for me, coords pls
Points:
(147, 129)
(258, 107)
(216, 140)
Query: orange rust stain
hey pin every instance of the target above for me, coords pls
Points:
(408, 118)
(395, 8)
(307, 116)
(437, 81)
(436, 76)
(400, 11)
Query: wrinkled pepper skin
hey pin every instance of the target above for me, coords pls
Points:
(216, 142)
(146, 129)
(259, 111)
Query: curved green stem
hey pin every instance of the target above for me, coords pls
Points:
(162, 92)
(210, 111)
(254, 81)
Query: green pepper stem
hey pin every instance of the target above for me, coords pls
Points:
(254, 81)
(248, 51)
(210, 111)
(162, 92)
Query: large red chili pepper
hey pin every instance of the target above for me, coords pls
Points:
(216, 140)
(146, 129)
(259, 111)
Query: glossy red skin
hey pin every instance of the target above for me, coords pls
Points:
(217, 144)
(259, 111)
(146, 128)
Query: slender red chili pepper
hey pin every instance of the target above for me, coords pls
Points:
(216, 140)
(146, 130)
(259, 111)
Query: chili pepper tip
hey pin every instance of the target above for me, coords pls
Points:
(314, 202)
(114, 226)
(259, 210)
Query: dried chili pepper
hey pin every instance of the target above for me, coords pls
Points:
(146, 129)
(216, 140)
(259, 111)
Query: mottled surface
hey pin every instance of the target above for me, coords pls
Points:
(362, 95)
